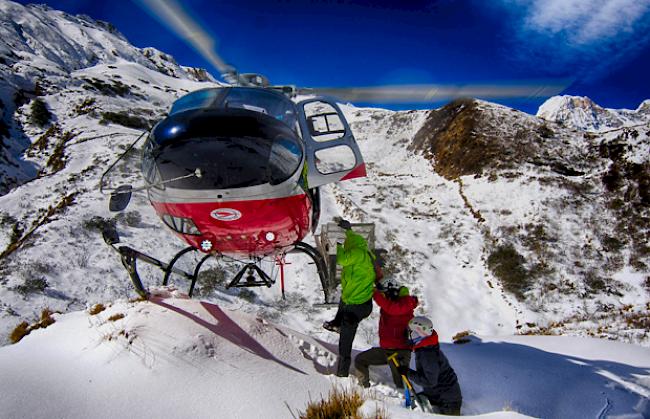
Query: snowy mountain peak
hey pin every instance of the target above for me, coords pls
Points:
(584, 114)
(644, 107)
(51, 41)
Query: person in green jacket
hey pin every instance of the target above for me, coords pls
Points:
(357, 287)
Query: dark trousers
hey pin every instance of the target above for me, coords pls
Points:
(348, 318)
(379, 356)
(444, 407)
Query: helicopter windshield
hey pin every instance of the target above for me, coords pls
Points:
(265, 101)
(232, 149)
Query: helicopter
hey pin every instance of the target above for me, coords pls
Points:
(235, 171)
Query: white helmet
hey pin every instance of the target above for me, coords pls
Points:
(419, 328)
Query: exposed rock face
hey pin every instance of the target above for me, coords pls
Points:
(471, 137)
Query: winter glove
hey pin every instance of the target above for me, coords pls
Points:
(344, 224)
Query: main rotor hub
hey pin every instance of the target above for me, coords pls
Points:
(253, 79)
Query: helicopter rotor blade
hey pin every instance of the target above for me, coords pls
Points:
(172, 14)
(420, 93)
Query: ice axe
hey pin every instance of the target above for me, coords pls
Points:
(412, 398)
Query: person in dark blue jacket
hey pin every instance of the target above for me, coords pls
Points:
(432, 369)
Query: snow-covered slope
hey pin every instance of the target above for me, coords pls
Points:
(496, 207)
(582, 113)
(178, 358)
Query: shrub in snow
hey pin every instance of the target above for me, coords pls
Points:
(24, 329)
(116, 88)
(339, 404)
(124, 119)
(116, 317)
(40, 115)
(247, 294)
(19, 332)
(209, 279)
(508, 265)
(86, 106)
(131, 218)
(96, 309)
(97, 223)
(31, 286)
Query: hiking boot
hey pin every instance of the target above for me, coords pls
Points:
(331, 327)
(361, 380)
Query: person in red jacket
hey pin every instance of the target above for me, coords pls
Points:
(397, 308)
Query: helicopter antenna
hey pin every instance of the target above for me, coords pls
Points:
(101, 180)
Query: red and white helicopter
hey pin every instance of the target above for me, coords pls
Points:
(235, 171)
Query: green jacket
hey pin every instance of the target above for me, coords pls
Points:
(358, 273)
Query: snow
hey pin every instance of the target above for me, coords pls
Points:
(174, 357)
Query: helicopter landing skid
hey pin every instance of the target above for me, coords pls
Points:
(130, 256)
(250, 280)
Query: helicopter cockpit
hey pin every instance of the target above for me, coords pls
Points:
(237, 137)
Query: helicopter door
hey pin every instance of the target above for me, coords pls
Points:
(332, 153)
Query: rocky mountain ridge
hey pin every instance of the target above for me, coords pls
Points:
(583, 114)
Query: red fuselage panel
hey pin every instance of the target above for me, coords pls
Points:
(251, 227)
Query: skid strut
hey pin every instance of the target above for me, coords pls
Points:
(302, 247)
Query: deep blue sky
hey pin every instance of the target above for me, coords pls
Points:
(602, 45)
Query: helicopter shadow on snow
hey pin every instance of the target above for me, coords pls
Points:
(503, 375)
(227, 329)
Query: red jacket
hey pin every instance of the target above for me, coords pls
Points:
(393, 320)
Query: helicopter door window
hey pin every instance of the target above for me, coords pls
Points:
(324, 122)
(335, 159)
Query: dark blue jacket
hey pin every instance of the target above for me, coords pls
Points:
(433, 372)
